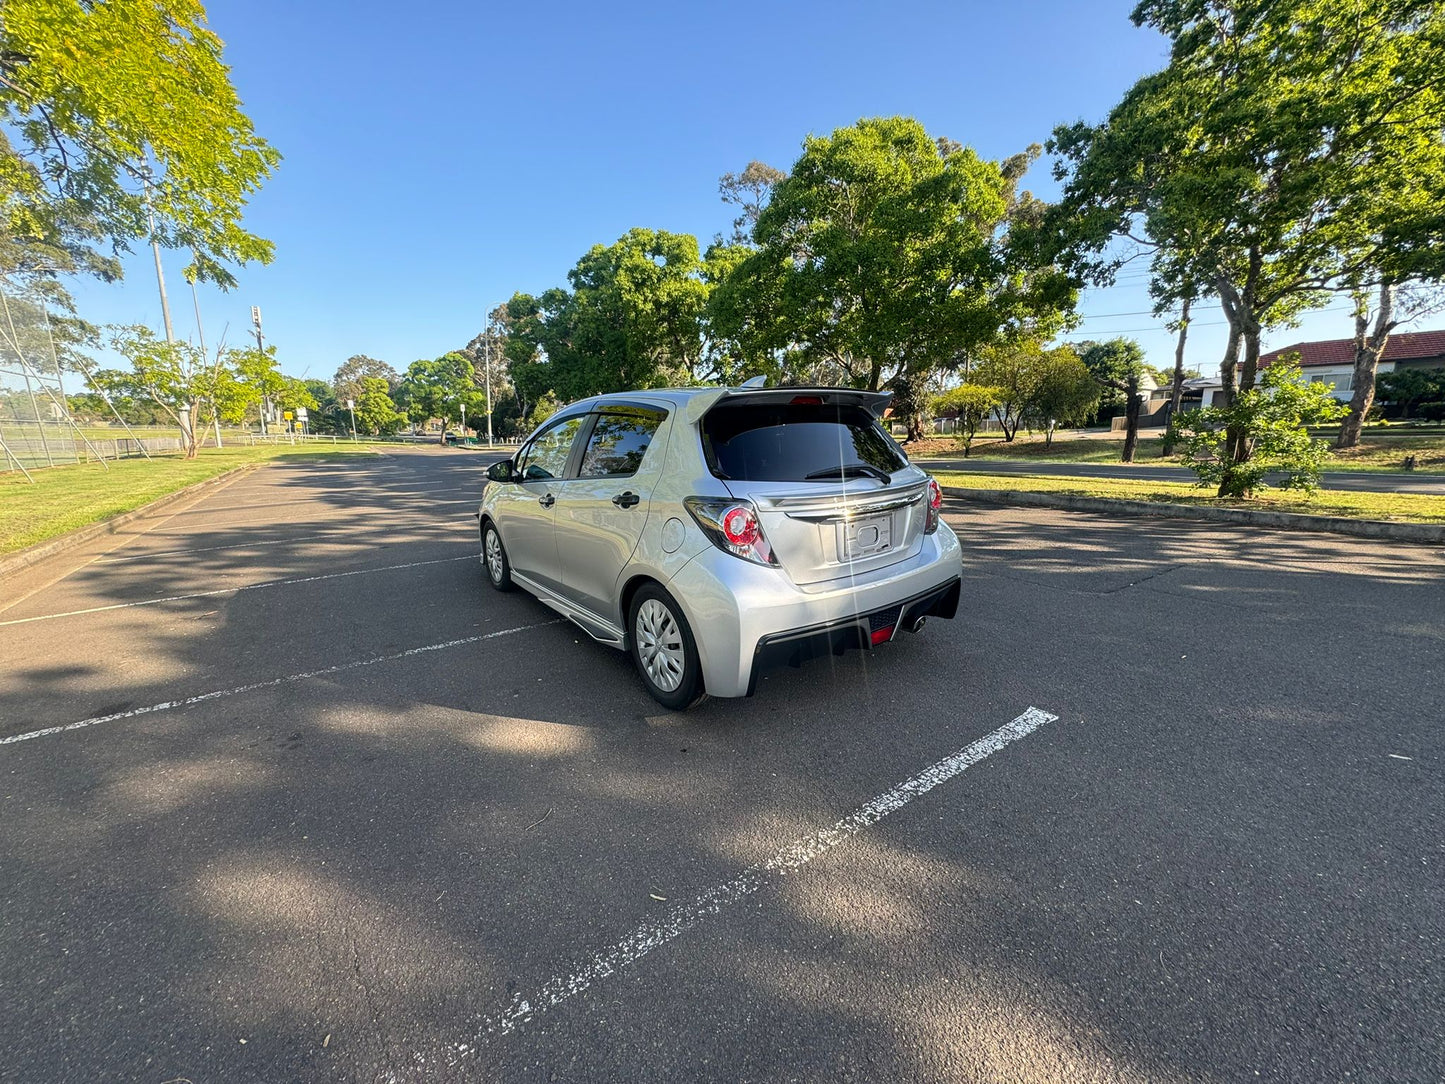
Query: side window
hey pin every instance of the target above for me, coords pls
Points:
(618, 443)
(546, 456)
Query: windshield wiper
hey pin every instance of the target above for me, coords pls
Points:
(864, 470)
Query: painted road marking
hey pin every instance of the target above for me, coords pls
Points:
(221, 694)
(236, 590)
(330, 539)
(655, 933)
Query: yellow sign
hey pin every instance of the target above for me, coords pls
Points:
(288, 415)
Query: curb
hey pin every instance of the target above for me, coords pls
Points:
(1383, 530)
(41, 550)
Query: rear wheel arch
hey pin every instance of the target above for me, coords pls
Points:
(634, 583)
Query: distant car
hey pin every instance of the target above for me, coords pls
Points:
(450, 437)
(716, 532)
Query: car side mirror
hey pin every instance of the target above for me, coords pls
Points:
(502, 472)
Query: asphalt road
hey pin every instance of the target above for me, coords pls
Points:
(1363, 481)
(378, 823)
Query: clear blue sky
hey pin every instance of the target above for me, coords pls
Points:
(440, 156)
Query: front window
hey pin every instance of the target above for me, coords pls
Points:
(798, 442)
(546, 456)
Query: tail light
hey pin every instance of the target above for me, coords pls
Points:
(732, 526)
(935, 502)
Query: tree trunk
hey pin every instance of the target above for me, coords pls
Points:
(190, 418)
(1369, 346)
(1131, 415)
(1176, 395)
(1228, 374)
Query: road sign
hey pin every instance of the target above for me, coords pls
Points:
(301, 413)
(287, 415)
(351, 404)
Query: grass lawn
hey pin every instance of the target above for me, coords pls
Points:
(1376, 452)
(1406, 507)
(66, 498)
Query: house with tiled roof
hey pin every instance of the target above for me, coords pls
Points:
(1332, 361)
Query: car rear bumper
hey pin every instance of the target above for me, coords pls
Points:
(862, 631)
(747, 617)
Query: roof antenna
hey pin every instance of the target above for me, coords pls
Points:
(754, 382)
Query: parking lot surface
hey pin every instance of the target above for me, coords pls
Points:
(287, 793)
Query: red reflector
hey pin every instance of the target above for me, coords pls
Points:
(882, 635)
(807, 400)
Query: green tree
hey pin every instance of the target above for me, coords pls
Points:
(1272, 418)
(633, 319)
(347, 382)
(1118, 365)
(1408, 388)
(258, 371)
(437, 389)
(115, 108)
(748, 191)
(1067, 393)
(545, 407)
(972, 403)
(531, 320)
(1015, 371)
(1290, 148)
(884, 259)
(183, 383)
(376, 414)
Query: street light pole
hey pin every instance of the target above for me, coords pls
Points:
(351, 406)
(487, 367)
(160, 275)
(261, 346)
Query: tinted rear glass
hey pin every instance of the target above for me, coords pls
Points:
(787, 442)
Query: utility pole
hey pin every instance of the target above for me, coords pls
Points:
(261, 346)
(351, 406)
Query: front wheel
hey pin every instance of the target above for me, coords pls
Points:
(663, 649)
(494, 558)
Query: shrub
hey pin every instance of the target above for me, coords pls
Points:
(1268, 424)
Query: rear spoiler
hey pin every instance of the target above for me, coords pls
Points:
(875, 402)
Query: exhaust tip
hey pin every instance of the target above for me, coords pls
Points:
(918, 624)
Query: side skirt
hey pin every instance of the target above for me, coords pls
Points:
(601, 630)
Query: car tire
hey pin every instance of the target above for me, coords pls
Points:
(663, 649)
(494, 558)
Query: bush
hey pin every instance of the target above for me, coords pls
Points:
(1433, 412)
(1269, 421)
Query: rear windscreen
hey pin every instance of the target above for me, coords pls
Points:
(790, 442)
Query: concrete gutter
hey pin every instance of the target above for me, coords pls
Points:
(1383, 530)
(14, 562)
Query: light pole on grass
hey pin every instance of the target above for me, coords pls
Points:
(351, 406)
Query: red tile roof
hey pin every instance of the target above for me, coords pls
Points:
(1410, 344)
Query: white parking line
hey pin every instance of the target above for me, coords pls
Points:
(235, 590)
(654, 933)
(221, 694)
(352, 540)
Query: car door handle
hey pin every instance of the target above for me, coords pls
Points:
(548, 501)
(626, 499)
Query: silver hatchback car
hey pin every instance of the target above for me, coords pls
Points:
(716, 532)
